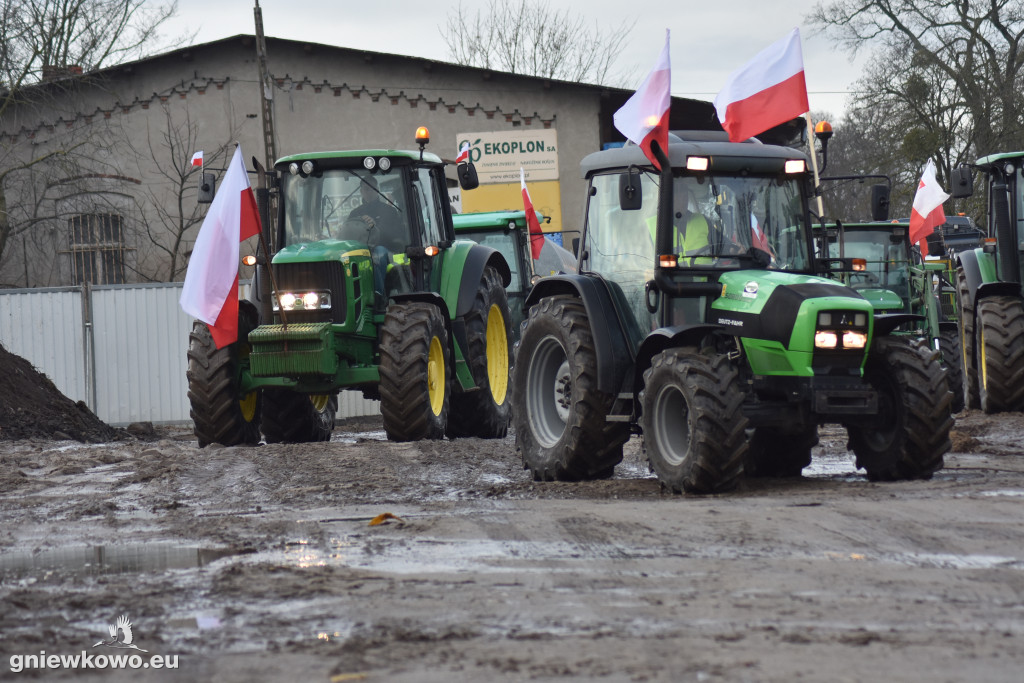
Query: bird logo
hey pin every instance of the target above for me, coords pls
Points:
(121, 635)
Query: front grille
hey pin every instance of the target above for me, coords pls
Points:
(306, 276)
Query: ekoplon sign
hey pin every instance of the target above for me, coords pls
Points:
(499, 156)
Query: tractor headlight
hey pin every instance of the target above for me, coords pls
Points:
(302, 301)
(825, 339)
(854, 340)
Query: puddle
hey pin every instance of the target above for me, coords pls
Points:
(114, 559)
(830, 466)
(356, 437)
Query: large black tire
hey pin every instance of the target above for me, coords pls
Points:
(692, 420)
(288, 417)
(910, 435)
(953, 362)
(485, 413)
(1000, 346)
(220, 413)
(972, 395)
(559, 419)
(776, 452)
(415, 372)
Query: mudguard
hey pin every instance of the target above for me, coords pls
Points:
(980, 273)
(670, 337)
(614, 352)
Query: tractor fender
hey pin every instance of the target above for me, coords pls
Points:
(979, 271)
(614, 352)
(668, 338)
(477, 257)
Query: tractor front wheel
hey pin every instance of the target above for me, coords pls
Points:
(559, 420)
(910, 435)
(972, 398)
(220, 412)
(415, 372)
(692, 421)
(288, 417)
(485, 413)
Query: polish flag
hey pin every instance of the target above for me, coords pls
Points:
(757, 236)
(463, 154)
(643, 119)
(210, 293)
(197, 158)
(536, 234)
(927, 213)
(768, 90)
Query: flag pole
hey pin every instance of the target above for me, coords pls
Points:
(814, 165)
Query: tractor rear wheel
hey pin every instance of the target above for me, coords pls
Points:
(910, 435)
(485, 413)
(774, 452)
(560, 425)
(415, 372)
(692, 421)
(952, 360)
(1000, 345)
(219, 411)
(972, 397)
(289, 417)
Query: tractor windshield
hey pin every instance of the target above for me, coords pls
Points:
(886, 252)
(346, 204)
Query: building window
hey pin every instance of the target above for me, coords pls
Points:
(97, 248)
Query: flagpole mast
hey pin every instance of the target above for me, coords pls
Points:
(814, 164)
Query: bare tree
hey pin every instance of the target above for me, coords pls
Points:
(529, 37)
(969, 52)
(47, 49)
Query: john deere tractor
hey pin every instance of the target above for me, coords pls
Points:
(368, 290)
(508, 232)
(700, 320)
(988, 281)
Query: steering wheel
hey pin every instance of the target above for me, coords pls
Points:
(355, 229)
(869, 277)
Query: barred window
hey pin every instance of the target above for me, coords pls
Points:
(97, 248)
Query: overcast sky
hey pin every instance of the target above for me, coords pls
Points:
(709, 39)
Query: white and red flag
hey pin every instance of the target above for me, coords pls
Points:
(927, 213)
(757, 237)
(536, 234)
(210, 293)
(197, 158)
(463, 154)
(768, 90)
(643, 119)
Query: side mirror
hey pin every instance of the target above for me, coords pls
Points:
(962, 182)
(630, 196)
(468, 179)
(880, 202)
(207, 188)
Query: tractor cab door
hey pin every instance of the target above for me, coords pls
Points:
(428, 197)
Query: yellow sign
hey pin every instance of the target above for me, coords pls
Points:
(499, 156)
(546, 198)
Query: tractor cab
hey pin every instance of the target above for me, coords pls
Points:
(883, 257)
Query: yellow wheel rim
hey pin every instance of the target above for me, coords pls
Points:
(248, 403)
(497, 355)
(319, 401)
(984, 366)
(435, 376)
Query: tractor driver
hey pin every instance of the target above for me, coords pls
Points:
(380, 214)
(691, 226)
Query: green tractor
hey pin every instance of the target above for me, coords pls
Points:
(988, 283)
(508, 232)
(698, 319)
(892, 276)
(368, 290)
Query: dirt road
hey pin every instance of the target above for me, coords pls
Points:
(262, 564)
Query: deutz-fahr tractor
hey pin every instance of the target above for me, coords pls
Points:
(697, 319)
(508, 232)
(368, 290)
(988, 281)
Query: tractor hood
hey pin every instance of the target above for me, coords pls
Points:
(750, 290)
(883, 300)
(324, 250)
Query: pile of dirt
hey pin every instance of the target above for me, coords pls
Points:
(31, 407)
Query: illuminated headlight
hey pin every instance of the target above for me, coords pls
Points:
(824, 339)
(304, 301)
(853, 340)
(696, 163)
(795, 166)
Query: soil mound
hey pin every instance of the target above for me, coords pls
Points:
(32, 407)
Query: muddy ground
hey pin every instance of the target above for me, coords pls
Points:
(261, 563)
